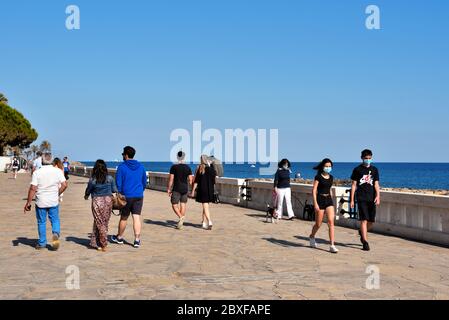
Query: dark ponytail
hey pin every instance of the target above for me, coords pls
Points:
(320, 167)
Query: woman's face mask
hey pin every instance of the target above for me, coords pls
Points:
(327, 169)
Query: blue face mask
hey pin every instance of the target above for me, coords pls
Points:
(327, 169)
(367, 161)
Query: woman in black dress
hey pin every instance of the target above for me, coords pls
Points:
(204, 184)
(323, 202)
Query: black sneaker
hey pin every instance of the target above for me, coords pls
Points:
(38, 247)
(366, 246)
(117, 240)
(136, 243)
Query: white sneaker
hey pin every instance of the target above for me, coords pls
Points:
(180, 223)
(313, 243)
(205, 225)
(333, 249)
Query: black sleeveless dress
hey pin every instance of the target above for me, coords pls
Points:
(206, 185)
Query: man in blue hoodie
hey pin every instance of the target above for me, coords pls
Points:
(131, 181)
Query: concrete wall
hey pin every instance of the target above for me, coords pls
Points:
(414, 216)
(3, 162)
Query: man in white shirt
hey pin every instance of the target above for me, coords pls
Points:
(47, 184)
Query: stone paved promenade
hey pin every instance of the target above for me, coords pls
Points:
(242, 258)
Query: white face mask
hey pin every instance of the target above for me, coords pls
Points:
(285, 167)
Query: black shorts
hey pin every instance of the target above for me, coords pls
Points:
(177, 197)
(133, 206)
(324, 201)
(367, 210)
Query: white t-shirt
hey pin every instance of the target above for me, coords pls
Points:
(47, 179)
(37, 164)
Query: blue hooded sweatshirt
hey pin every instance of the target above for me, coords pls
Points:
(131, 179)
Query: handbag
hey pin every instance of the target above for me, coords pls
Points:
(118, 201)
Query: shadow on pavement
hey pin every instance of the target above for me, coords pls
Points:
(338, 244)
(193, 225)
(81, 241)
(284, 243)
(264, 217)
(172, 224)
(24, 241)
(168, 223)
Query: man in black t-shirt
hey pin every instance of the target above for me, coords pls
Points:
(178, 187)
(366, 189)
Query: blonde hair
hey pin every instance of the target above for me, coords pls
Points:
(204, 162)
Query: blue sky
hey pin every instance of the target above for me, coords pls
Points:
(136, 70)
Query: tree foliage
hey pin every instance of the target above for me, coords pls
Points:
(45, 146)
(15, 129)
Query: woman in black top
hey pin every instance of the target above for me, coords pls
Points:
(282, 189)
(323, 201)
(204, 184)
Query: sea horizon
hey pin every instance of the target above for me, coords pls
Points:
(411, 175)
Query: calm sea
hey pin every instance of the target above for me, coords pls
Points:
(392, 175)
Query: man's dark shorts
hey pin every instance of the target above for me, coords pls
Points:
(367, 210)
(177, 197)
(133, 206)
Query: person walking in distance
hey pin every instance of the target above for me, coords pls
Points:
(178, 187)
(131, 181)
(366, 190)
(15, 167)
(47, 184)
(37, 163)
(66, 165)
